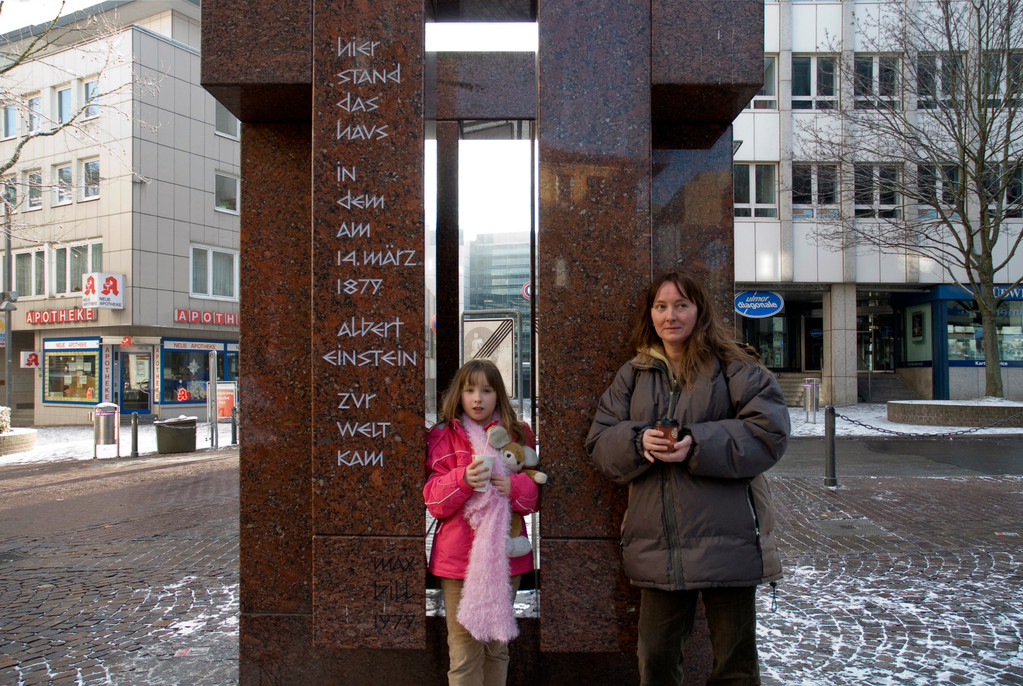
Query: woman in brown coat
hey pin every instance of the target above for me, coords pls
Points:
(700, 518)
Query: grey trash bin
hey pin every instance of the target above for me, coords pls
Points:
(175, 435)
(104, 423)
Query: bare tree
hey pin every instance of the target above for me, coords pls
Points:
(928, 146)
(88, 33)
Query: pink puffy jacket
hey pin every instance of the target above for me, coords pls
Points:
(448, 453)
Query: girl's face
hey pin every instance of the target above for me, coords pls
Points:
(479, 399)
(673, 315)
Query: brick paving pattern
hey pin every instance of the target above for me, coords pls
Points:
(114, 592)
(127, 574)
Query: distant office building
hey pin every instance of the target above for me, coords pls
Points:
(498, 284)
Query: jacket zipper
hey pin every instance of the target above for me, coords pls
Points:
(753, 511)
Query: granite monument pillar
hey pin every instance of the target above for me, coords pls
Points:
(632, 103)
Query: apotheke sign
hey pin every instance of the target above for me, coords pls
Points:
(105, 291)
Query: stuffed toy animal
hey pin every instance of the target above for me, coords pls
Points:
(517, 458)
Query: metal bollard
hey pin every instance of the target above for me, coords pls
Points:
(234, 425)
(830, 478)
(134, 434)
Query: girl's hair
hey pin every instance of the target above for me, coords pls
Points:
(708, 339)
(451, 403)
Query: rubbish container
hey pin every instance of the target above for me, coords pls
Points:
(106, 429)
(175, 435)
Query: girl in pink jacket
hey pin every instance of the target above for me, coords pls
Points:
(475, 400)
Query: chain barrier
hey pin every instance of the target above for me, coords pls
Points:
(910, 434)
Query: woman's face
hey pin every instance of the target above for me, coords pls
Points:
(673, 315)
(479, 399)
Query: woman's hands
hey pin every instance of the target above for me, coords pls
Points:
(657, 448)
(477, 476)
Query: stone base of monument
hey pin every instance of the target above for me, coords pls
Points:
(280, 649)
(978, 413)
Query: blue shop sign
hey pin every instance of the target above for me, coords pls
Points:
(758, 304)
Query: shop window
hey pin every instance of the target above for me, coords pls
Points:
(71, 376)
(876, 190)
(876, 81)
(226, 192)
(71, 262)
(767, 97)
(62, 185)
(814, 191)
(966, 335)
(214, 272)
(226, 124)
(755, 190)
(34, 181)
(30, 273)
(186, 373)
(90, 179)
(813, 83)
(34, 107)
(939, 77)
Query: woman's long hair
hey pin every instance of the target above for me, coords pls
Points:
(451, 403)
(709, 338)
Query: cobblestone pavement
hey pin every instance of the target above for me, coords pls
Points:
(120, 571)
(125, 572)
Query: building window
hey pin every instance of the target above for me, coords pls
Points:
(71, 262)
(62, 187)
(214, 273)
(755, 190)
(225, 193)
(89, 92)
(63, 103)
(71, 376)
(876, 83)
(1004, 186)
(876, 190)
(30, 273)
(10, 193)
(10, 121)
(34, 107)
(1003, 77)
(767, 98)
(90, 179)
(938, 184)
(34, 181)
(226, 123)
(814, 191)
(939, 77)
(813, 83)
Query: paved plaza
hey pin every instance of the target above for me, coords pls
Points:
(910, 571)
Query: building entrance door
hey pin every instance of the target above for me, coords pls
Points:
(136, 380)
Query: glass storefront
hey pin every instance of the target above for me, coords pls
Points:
(71, 371)
(966, 336)
(186, 368)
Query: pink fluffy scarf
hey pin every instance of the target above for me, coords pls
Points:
(485, 609)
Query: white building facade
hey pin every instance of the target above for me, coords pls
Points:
(125, 225)
(850, 315)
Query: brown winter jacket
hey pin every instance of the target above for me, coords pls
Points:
(708, 521)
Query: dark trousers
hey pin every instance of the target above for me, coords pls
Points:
(666, 623)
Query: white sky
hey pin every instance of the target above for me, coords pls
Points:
(18, 13)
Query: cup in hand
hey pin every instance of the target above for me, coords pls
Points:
(667, 428)
(488, 464)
